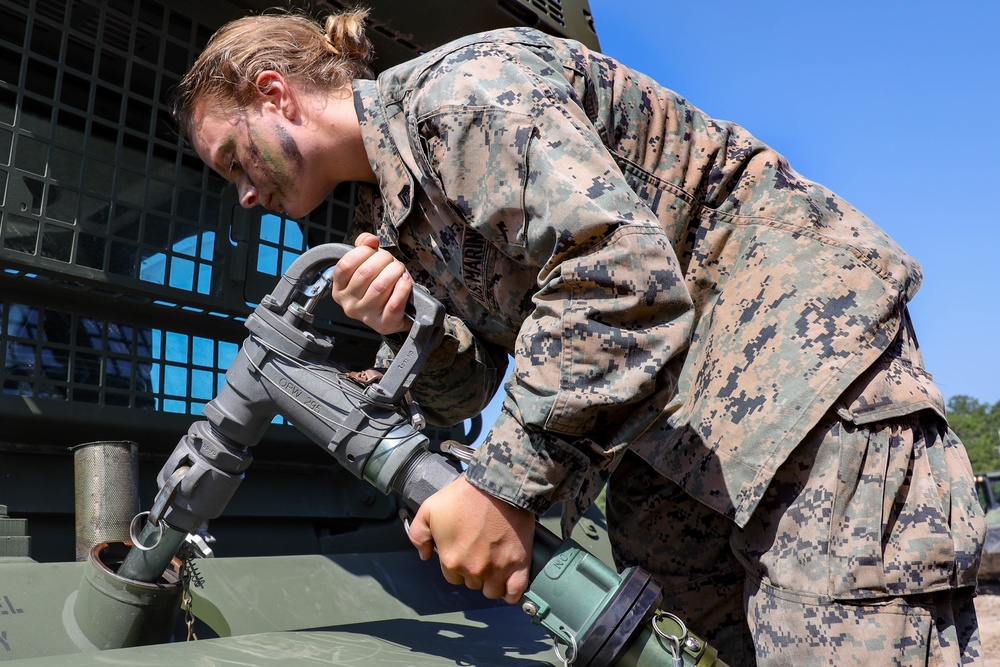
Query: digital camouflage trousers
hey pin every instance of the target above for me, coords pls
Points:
(864, 551)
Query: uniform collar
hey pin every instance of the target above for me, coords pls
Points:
(395, 182)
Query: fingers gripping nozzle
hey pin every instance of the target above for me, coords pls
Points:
(308, 278)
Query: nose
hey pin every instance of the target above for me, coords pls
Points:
(249, 197)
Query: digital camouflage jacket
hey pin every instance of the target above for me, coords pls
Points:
(662, 280)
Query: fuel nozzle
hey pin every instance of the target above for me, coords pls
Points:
(196, 483)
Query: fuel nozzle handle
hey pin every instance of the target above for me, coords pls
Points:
(311, 274)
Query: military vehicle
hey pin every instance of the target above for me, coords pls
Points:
(130, 279)
(988, 487)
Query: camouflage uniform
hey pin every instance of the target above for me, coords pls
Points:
(668, 286)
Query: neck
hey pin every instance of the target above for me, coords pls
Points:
(350, 159)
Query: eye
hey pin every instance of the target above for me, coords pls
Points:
(234, 165)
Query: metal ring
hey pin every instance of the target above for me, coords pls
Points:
(673, 640)
(660, 614)
(463, 453)
(570, 657)
(135, 538)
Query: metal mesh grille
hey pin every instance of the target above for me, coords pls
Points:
(62, 354)
(117, 229)
(92, 181)
(552, 8)
(126, 265)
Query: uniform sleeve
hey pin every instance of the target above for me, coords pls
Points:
(459, 378)
(597, 358)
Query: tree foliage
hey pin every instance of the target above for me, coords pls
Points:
(978, 425)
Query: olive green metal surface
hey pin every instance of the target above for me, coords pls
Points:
(373, 609)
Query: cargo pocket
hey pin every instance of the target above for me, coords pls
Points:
(905, 519)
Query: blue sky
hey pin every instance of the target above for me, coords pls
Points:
(891, 104)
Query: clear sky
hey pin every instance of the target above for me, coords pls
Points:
(892, 104)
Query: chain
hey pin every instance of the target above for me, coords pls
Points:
(189, 575)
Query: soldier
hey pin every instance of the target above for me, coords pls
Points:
(724, 339)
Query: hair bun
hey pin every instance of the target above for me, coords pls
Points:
(345, 35)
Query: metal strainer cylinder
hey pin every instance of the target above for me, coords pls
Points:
(106, 476)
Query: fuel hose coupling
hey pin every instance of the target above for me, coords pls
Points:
(598, 617)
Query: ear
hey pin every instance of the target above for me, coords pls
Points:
(275, 91)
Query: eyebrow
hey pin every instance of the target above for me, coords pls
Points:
(226, 148)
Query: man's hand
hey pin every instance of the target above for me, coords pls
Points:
(481, 541)
(371, 286)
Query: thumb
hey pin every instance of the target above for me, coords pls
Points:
(366, 239)
(420, 534)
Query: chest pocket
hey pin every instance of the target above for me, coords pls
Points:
(502, 285)
(442, 250)
(479, 156)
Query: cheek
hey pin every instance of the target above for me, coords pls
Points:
(265, 164)
(289, 148)
(282, 158)
(272, 176)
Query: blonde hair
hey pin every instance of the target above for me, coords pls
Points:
(295, 45)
